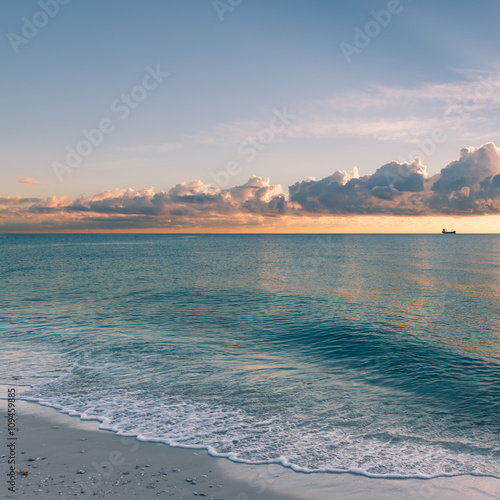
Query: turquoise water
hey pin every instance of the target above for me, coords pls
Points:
(375, 354)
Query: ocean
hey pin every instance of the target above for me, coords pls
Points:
(372, 354)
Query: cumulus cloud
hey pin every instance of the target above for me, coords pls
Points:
(185, 200)
(16, 200)
(388, 190)
(469, 185)
(13, 206)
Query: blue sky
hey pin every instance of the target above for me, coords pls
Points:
(227, 77)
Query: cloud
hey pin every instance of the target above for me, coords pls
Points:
(384, 113)
(29, 181)
(469, 185)
(481, 87)
(389, 190)
(185, 200)
(471, 170)
(9, 201)
(407, 129)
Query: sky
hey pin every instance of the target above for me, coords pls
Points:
(249, 116)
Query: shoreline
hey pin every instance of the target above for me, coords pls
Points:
(66, 457)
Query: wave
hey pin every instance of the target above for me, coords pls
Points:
(213, 429)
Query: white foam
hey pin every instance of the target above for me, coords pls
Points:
(243, 438)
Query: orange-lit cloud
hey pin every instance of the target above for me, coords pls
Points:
(29, 181)
(466, 187)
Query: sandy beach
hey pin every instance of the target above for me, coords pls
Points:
(58, 456)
